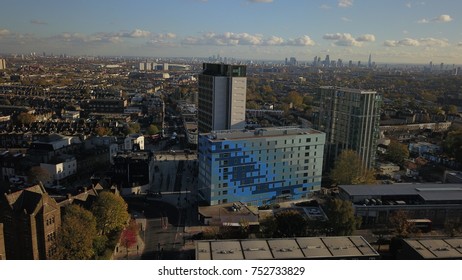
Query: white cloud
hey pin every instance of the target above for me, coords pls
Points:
(101, 37)
(443, 18)
(345, 19)
(345, 3)
(235, 39)
(137, 33)
(422, 42)
(302, 41)
(409, 5)
(347, 40)
(438, 19)
(366, 38)
(325, 7)
(4, 32)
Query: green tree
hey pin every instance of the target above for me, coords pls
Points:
(76, 235)
(348, 170)
(397, 152)
(152, 129)
(341, 216)
(284, 224)
(290, 223)
(110, 211)
(132, 128)
(453, 144)
(451, 109)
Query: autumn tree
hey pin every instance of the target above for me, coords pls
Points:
(76, 235)
(103, 131)
(349, 170)
(110, 211)
(399, 221)
(342, 220)
(397, 152)
(129, 235)
(295, 98)
(25, 119)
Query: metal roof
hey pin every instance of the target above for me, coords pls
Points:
(428, 192)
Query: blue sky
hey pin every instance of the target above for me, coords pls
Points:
(392, 30)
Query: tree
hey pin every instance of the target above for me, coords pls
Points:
(129, 235)
(342, 220)
(290, 223)
(284, 224)
(103, 131)
(399, 220)
(453, 144)
(76, 235)
(25, 119)
(110, 211)
(132, 128)
(397, 152)
(349, 170)
(295, 98)
(38, 174)
(152, 129)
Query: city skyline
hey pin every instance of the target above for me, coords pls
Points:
(392, 31)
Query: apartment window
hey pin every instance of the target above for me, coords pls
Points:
(308, 140)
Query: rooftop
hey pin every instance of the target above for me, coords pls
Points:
(428, 192)
(437, 248)
(259, 133)
(285, 248)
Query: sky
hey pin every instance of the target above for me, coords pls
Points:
(392, 31)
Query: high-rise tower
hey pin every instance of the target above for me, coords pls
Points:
(350, 118)
(222, 97)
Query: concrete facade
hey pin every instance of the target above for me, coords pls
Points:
(350, 118)
(222, 97)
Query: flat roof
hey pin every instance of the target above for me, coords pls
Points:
(259, 133)
(437, 248)
(428, 192)
(339, 247)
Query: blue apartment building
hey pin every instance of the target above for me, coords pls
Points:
(258, 167)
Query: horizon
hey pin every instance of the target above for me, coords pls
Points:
(392, 31)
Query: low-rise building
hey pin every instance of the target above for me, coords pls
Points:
(430, 249)
(300, 248)
(440, 203)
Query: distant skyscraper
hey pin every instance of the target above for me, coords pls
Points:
(350, 118)
(327, 61)
(369, 63)
(2, 64)
(222, 97)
